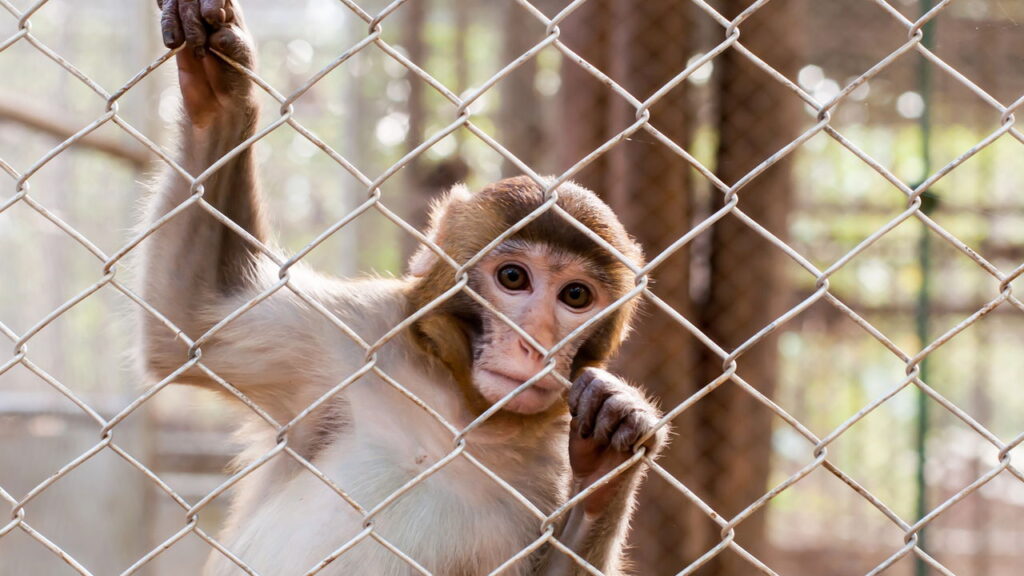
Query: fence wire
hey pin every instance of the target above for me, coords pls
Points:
(462, 118)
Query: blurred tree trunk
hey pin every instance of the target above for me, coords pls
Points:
(722, 444)
(414, 206)
(648, 187)
(414, 40)
(423, 179)
(460, 49)
(642, 45)
(519, 120)
(583, 109)
(747, 288)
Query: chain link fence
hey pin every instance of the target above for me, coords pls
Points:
(130, 135)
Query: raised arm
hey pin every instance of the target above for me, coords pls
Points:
(196, 269)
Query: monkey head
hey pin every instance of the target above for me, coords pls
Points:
(548, 278)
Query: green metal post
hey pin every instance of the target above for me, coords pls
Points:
(923, 309)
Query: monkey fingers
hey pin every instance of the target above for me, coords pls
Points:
(233, 43)
(195, 21)
(615, 421)
(610, 414)
(631, 427)
(170, 23)
(215, 12)
(193, 26)
(587, 395)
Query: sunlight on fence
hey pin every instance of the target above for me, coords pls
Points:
(461, 109)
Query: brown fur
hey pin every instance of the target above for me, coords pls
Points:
(463, 225)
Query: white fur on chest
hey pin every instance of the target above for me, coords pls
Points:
(456, 521)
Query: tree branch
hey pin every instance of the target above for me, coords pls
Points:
(63, 127)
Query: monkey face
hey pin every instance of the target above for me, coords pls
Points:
(548, 293)
(548, 278)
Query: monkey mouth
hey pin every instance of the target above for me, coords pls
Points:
(547, 383)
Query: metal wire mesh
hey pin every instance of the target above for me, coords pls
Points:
(462, 118)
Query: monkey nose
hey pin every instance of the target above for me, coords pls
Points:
(528, 351)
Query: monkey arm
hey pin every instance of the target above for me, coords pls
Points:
(608, 418)
(194, 264)
(196, 269)
(598, 536)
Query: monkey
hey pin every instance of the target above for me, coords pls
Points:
(396, 416)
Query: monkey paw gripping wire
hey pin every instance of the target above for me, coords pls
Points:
(288, 285)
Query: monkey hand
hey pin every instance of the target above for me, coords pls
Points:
(212, 89)
(608, 418)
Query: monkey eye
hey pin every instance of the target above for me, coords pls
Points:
(576, 295)
(513, 277)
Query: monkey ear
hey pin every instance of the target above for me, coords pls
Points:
(424, 258)
(422, 261)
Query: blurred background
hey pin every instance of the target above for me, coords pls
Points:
(913, 118)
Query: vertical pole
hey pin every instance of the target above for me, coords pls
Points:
(462, 24)
(923, 308)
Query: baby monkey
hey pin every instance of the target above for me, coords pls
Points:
(460, 358)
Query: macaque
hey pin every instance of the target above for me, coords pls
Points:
(549, 442)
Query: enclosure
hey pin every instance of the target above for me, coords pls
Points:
(827, 193)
